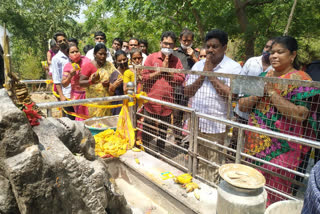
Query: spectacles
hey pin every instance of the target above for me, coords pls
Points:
(202, 56)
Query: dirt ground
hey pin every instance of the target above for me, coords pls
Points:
(42, 97)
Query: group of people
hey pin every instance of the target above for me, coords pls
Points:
(101, 73)
(288, 109)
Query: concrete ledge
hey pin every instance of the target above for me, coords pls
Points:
(151, 169)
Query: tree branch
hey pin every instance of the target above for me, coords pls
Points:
(255, 3)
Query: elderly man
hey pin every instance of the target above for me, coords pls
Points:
(209, 96)
(187, 54)
(188, 57)
(159, 85)
(99, 37)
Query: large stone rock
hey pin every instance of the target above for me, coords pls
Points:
(40, 173)
(32, 181)
(71, 182)
(7, 200)
(15, 131)
(75, 136)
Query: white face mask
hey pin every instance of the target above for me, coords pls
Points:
(167, 51)
(186, 47)
(99, 43)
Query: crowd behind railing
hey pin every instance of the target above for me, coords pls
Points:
(269, 92)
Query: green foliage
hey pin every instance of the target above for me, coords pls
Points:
(31, 67)
(148, 19)
(31, 23)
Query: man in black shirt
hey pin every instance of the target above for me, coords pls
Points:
(188, 57)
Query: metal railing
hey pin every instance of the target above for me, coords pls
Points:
(238, 85)
(190, 154)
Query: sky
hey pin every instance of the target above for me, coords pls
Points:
(82, 17)
(1, 35)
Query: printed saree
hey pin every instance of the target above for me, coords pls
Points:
(281, 152)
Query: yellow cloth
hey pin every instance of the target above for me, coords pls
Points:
(128, 76)
(116, 143)
(97, 90)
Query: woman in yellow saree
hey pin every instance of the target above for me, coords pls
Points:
(95, 77)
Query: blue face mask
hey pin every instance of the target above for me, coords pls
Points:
(266, 55)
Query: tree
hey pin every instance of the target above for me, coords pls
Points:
(32, 23)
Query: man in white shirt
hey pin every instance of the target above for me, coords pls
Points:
(254, 67)
(57, 65)
(99, 37)
(210, 96)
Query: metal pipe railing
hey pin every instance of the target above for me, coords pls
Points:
(304, 83)
(162, 122)
(33, 81)
(172, 105)
(302, 141)
(81, 102)
(164, 140)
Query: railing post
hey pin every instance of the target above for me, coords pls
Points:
(195, 145)
(130, 87)
(49, 112)
(191, 142)
(239, 145)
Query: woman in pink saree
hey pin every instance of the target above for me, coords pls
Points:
(71, 75)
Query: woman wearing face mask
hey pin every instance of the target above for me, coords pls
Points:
(71, 74)
(116, 78)
(288, 109)
(95, 77)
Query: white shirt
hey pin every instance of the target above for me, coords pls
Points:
(58, 62)
(253, 67)
(90, 55)
(207, 100)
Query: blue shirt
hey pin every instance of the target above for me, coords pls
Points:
(311, 203)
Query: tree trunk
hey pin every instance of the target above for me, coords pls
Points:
(198, 20)
(290, 18)
(199, 23)
(243, 22)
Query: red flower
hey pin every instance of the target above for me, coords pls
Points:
(31, 114)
